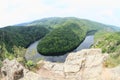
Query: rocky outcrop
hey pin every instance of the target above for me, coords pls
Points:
(83, 65)
(87, 64)
(12, 70)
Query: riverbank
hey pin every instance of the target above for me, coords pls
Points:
(32, 54)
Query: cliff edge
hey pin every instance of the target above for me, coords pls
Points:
(87, 64)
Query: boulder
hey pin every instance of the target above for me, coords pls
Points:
(87, 64)
(12, 70)
(71, 68)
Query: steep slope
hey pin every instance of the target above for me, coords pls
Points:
(109, 43)
(87, 64)
(57, 42)
(61, 40)
(21, 36)
(53, 22)
(26, 34)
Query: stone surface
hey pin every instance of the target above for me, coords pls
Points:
(32, 76)
(71, 68)
(12, 70)
(86, 64)
(90, 62)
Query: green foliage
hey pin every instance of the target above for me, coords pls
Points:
(1, 64)
(113, 60)
(14, 39)
(54, 22)
(62, 39)
(66, 34)
(21, 36)
(25, 35)
(18, 53)
(109, 42)
(30, 65)
(4, 53)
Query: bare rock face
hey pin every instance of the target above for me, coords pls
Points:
(12, 70)
(86, 64)
(83, 65)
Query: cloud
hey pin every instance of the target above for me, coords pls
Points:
(17, 11)
(20, 10)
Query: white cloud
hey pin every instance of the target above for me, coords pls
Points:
(17, 11)
(20, 10)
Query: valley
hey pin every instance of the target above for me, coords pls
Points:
(53, 40)
(58, 35)
(32, 54)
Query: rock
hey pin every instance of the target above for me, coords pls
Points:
(71, 68)
(48, 65)
(54, 67)
(12, 70)
(112, 73)
(87, 64)
(32, 76)
(58, 68)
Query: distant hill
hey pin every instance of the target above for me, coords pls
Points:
(26, 33)
(53, 22)
(20, 36)
(63, 39)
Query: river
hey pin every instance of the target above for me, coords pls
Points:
(32, 54)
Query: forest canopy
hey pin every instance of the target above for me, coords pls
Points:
(62, 39)
(21, 36)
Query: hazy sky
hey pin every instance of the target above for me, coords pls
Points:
(19, 11)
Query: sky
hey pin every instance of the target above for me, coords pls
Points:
(20, 11)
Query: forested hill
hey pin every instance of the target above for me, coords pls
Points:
(25, 34)
(63, 39)
(20, 36)
(54, 22)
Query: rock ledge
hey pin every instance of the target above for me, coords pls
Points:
(86, 64)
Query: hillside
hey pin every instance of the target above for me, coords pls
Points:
(53, 22)
(59, 36)
(53, 42)
(109, 43)
(87, 64)
(21, 36)
(25, 34)
(63, 39)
